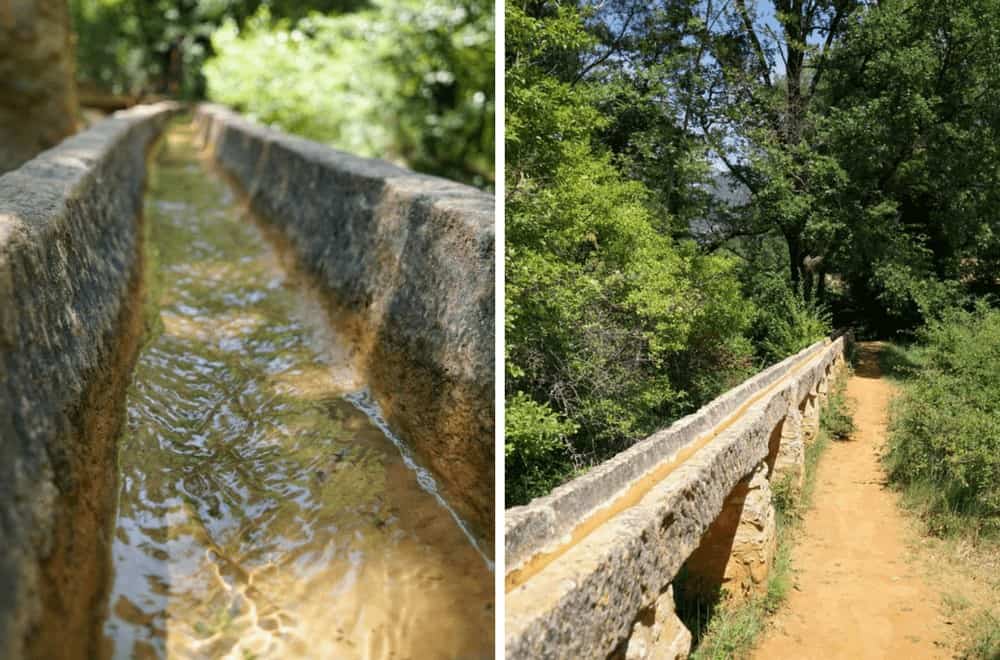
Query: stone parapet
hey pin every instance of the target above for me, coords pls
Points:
(69, 270)
(581, 593)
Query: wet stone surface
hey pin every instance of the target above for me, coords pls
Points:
(261, 511)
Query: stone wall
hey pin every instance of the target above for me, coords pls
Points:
(542, 524)
(69, 273)
(410, 258)
(588, 563)
(37, 91)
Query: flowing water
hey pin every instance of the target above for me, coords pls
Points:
(264, 510)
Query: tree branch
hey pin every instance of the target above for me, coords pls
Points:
(721, 241)
(763, 64)
(831, 34)
(612, 49)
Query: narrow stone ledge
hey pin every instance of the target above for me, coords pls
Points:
(68, 269)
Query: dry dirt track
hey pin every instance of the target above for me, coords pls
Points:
(859, 590)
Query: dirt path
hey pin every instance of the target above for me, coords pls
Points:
(859, 590)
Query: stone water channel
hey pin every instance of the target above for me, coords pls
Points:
(264, 507)
(591, 567)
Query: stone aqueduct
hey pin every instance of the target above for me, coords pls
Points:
(405, 260)
(591, 566)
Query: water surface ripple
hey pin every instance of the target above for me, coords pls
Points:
(264, 510)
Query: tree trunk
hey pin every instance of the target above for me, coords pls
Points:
(38, 104)
(821, 286)
(795, 34)
(794, 260)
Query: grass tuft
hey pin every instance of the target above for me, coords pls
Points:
(983, 642)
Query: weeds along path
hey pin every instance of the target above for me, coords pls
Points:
(859, 589)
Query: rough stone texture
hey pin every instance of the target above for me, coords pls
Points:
(68, 264)
(736, 553)
(547, 521)
(810, 416)
(585, 603)
(790, 454)
(658, 634)
(412, 257)
(37, 90)
(823, 389)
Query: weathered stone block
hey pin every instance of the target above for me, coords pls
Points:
(658, 634)
(790, 456)
(69, 264)
(737, 551)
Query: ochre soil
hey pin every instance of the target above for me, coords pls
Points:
(861, 589)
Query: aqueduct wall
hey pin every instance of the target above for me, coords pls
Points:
(69, 271)
(410, 257)
(590, 567)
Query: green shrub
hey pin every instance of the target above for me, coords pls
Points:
(145, 46)
(403, 80)
(534, 448)
(784, 323)
(985, 638)
(945, 426)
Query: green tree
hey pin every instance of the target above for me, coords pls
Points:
(403, 80)
(754, 89)
(613, 327)
(913, 119)
(864, 134)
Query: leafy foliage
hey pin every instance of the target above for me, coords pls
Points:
(535, 447)
(861, 134)
(913, 90)
(784, 322)
(945, 426)
(612, 324)
(405, 80)
(399, 79)
(135, 46)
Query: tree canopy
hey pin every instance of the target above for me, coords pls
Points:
(697, 188)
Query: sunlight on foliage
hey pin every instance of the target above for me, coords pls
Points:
(405, 81)
(402, 80)
(945, 426)
(611, 324)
